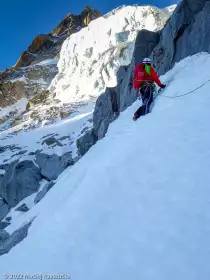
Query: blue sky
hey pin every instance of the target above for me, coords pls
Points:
(22, 20)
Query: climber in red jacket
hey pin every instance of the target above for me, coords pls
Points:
(143, 81)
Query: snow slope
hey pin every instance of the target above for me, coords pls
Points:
(90, 58)
(137, 205)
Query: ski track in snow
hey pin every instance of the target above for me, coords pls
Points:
(137, 205)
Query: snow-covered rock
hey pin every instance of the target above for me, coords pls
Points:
(20, 180)
(51, 166)
(90, 59)
(19, 88)
(43, 192)
(22, 208)
(185, 34)
(4, 209)
(3, 236)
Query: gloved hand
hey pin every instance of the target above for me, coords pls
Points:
(163, 86)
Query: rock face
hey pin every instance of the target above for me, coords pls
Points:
(72, 23)
(145, 43)
(46, 46)
(20, 180)
(16, 84)
(4, 209)
(51, 141)
(40, 42)
(51, 166)
(11, 92)
(22, 208)
(185, 34)
(43, 192)
(4, 224)
(12, 240)
(3, 236)
(25, 59)
(106, 110)
(85, 142)
(26, 89)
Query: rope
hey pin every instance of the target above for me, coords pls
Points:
(177, 96)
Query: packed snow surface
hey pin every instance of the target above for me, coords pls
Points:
(137, 205)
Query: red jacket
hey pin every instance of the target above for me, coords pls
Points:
(141, 76)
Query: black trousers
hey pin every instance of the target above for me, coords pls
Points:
(147, 99)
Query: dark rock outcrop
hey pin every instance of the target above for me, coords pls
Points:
(4, 235)
(4, 209)
(85, 142)
(8, 219)
(43, 192)
(39, 42)
(25, 59)
(4, 224)
(72, 23)
(22, 208)
(106, 110)
(145, 43)
(11, 92)
(51, 141)
(20, 180)
(186, 33)
(51, 166)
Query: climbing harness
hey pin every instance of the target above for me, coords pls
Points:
(147, 84)
(158, 93)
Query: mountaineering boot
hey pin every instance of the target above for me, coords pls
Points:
(134, 118)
